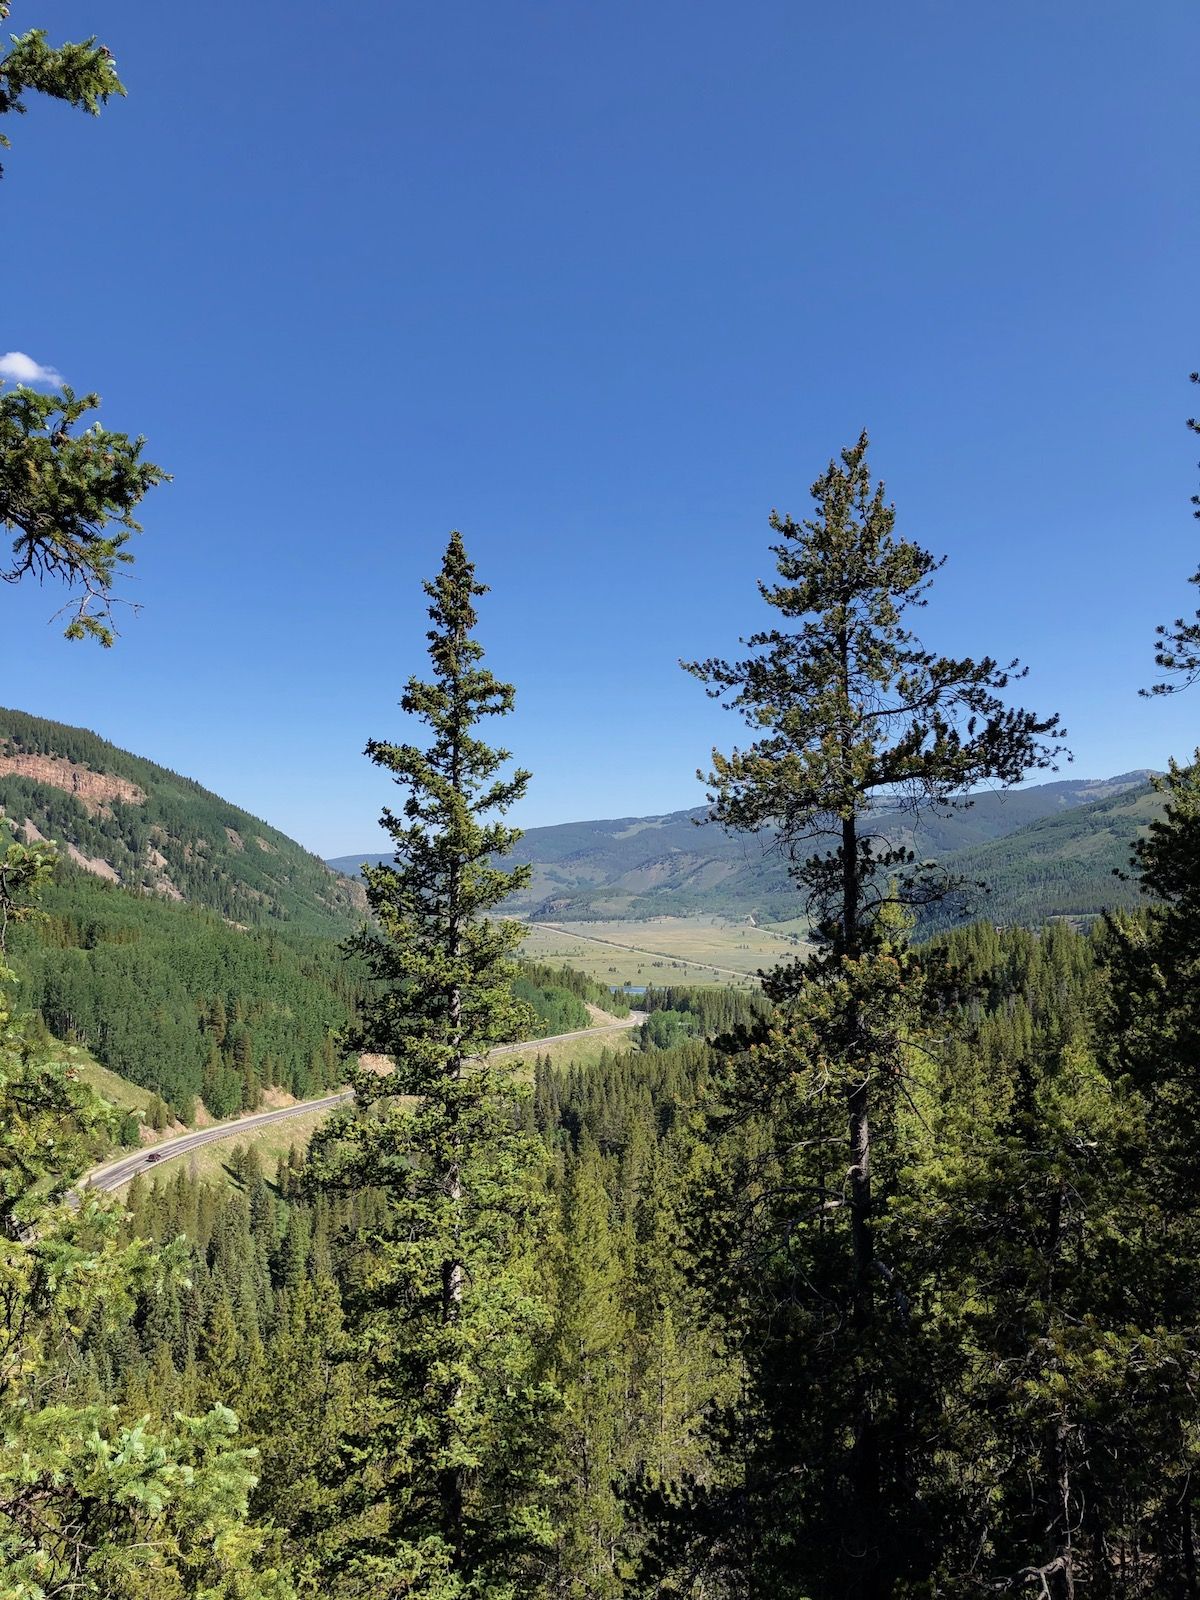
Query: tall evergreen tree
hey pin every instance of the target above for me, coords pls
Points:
(444, 1474)
(850, 714)
(1153, 1041)
(590, 1354)
(1153, 1030)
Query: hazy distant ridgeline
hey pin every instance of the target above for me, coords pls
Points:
(1044, 850)
(675, 865)
(142, 826)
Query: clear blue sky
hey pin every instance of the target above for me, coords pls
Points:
(600, 285)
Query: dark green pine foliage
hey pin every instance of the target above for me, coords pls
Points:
(82, 75)
(68, 499)
(1153, 1028)
(1156, 963)
(632, 1355)
(1017, 1220)
(179, 1002)
(442, 1476)
(846, 707)
(1037, 1217)
(67, 494)
(714, 1010)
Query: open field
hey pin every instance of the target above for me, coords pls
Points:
(663, 950)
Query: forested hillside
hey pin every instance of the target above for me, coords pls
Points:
(134, 823)
(177, 1001)
(201, 1013)
(1071, 865)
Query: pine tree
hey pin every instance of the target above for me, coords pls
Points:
(1156, 971)
(1152, 1029)
(848, 709)
(445, 1499)
(675, 1375)
(70, 497)
(296, 1411)
(220, 1351)
(590, 1351)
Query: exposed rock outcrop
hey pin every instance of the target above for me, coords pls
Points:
(93, 790)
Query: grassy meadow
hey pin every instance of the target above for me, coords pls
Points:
(665, 950)
(110, 1086)
(215, 1162)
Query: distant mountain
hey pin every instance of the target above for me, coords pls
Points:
(633, 867)
(137, 824)
(1060, 866)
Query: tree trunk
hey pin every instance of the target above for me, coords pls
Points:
(450, 1479)
(870, 1580)
(1060, 1574)
(1060, 1571)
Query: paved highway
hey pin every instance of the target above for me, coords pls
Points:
(115, 1174)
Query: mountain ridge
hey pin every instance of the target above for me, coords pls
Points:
(664, 864)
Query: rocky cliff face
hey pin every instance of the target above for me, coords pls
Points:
(95, 791)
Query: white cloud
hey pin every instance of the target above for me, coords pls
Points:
(17, 367)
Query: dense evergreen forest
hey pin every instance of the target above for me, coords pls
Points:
(181, 1003)
(879, 1281)
(685, 1378)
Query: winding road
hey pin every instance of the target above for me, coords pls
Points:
(115, 1174)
